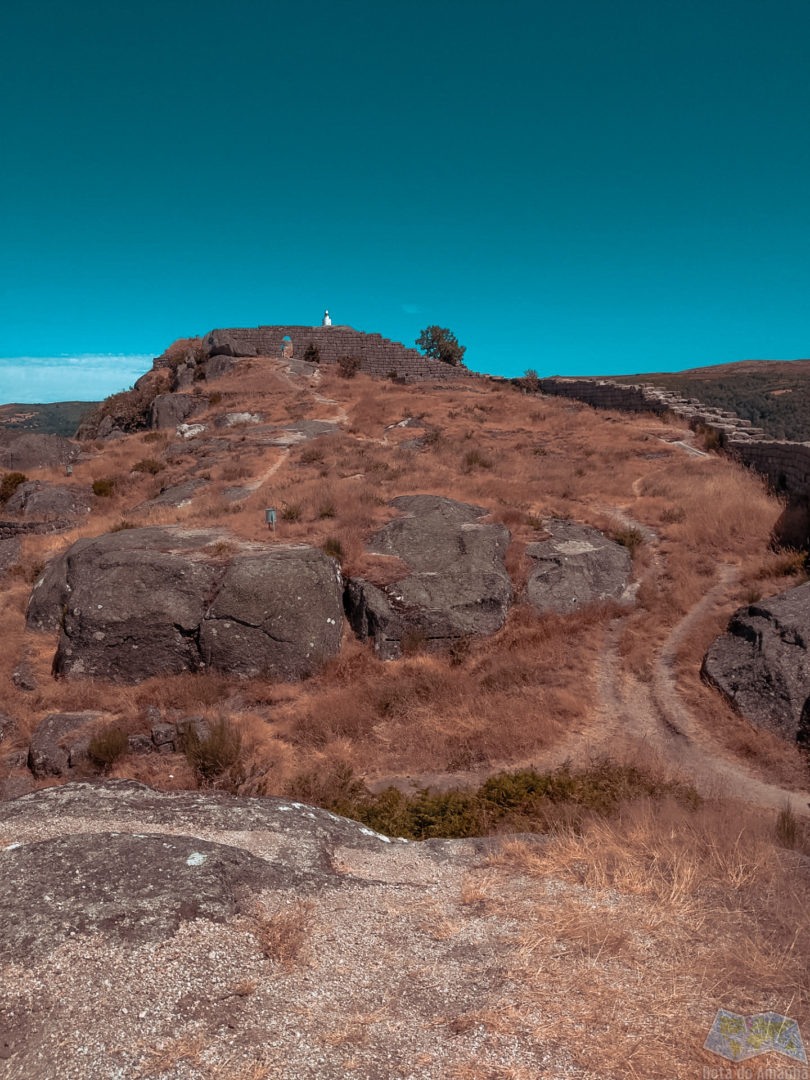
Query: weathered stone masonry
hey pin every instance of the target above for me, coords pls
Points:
(785, 464)
(378, 356)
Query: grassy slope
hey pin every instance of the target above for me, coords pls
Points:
(54, 418)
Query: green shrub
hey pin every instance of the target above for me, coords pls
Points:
(520, 801)
(105, 487)
(291, 512)
(787, 827)
(327, 509)
(474, 459)
(149, 465)
(531, 380)
(348, 366)
(107, 746)
(628, 537)
(312, 455)
(9, 484)
(215, 754)
(333, 547)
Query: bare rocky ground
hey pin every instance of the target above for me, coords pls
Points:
(190, 935)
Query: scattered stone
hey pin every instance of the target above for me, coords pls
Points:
(761, 664)
(577, 566)
(176, 496)
(10, 553)
(140, 744)
(164, 735)
(457, 586)
(57, 739)
(23, 677)
(190, 431)
(233, 419)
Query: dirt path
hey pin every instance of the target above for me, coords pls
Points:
(654, 714)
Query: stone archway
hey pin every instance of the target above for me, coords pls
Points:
(286, 347)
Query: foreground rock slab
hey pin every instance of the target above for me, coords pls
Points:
(577, 566)
(762, 665)
(457, 585)
(195, 935)
(144, 602)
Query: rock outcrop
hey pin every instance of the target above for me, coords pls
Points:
(34, 500)
(762, 665)
(169, 410)
(31, 451)
(152, 601)
(457, 585)
(59, 743)
(577, 566)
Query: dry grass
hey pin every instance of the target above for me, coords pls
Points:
(284, 936)
(645, 926)
(510, 700)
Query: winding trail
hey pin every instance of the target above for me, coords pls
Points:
(653, 713)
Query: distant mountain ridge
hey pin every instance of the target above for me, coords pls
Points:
(772, 394)
(51, 418)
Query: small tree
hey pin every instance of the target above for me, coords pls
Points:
(348, 366)
(441, 344)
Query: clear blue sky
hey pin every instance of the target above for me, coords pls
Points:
(589, 187)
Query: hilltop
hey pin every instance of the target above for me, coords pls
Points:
(53, 418)
(773, 394)
(529, 589)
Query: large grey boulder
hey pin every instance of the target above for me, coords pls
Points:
(457, 583)
(169, 410)
(761, 664)
(576, 566)
(221, 343)
(152, 601)
(47, 502)
(32, 451)
(279, 613)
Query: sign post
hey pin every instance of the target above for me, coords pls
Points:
(270, 518)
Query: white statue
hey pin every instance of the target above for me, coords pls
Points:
(326, 319)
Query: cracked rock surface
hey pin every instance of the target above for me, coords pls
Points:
(457, 586)
(762, 664)
(143, 602)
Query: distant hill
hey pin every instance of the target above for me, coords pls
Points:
(53, 418)
(773, 394)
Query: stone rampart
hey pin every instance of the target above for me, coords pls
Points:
(785, 464)
(378, 356)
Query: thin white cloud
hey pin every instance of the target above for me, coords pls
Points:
(33, 379)
(411, 309)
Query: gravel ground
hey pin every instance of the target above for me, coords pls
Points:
(357, 956)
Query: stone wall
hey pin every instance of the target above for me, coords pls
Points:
(785, 464)
(379, 356)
